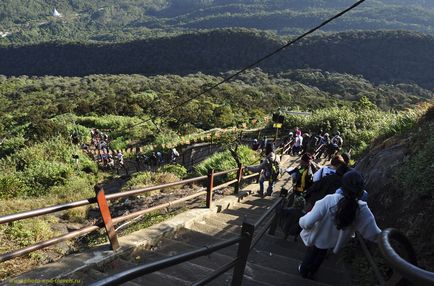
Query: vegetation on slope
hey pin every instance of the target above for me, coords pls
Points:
(392, 57)
(125, 20)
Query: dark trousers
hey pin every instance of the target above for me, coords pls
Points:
(312, 261)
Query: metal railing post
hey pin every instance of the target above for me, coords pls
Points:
(106, 217)
(210, 187)
(239, 178)
(275, 221)
(247, 231)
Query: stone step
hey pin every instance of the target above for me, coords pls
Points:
(234, 228)
(91, 275)
(200, 267)
(205, 228)
(182, 274)
(235, 218)
(290, 266)
(274, 277)
(273, 245)
(252, 214)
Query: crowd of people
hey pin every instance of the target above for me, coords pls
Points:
(329, 203)
(111, 160)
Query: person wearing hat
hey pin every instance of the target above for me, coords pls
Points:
(333, 220)
(302, 175)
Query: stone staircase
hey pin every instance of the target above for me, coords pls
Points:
(273, 261)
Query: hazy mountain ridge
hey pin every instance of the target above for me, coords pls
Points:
(125, 20)
(389, 57)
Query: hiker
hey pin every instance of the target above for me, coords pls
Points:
(120, 157)
(153, 161)
(305, 143)
(323, 143)
(302, 175)
(325, 186)
(268, 170)
(290, 216)
(330, 169)
(255, 145)
(110, 162)
(347, 158)
(333, 220)
(298, 142)
(174, 154)
(335, 145)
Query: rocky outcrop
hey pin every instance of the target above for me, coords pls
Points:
(394, 201)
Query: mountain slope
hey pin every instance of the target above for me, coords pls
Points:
(113, 21)
(379, 56)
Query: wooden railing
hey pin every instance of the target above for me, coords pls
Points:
(106, 219)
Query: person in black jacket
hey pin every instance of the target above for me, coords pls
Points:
(327, 185)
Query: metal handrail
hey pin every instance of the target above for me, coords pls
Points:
(407, 269)
(371, 261)
(261, 232)
(224, 185)
(216, 273)
(140, 270)
(90, 228)
(154, 188)
(267, 213)
(46, 210)
(88, 201)
(225, 172)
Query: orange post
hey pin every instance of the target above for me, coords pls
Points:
(106, 217)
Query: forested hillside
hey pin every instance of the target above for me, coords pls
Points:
(37, 109)
(392, 57)
(123, 20)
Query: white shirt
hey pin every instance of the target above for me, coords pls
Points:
(319, 228)
(298, 141)
(321, 173)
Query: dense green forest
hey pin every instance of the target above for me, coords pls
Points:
(391, 57)
(124, 20)
(39, 114)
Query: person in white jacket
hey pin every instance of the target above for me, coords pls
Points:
(333, 220)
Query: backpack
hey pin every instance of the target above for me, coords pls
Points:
(274, 169)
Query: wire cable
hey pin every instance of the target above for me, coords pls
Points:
(227, 79)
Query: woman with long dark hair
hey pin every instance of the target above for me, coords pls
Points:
(333, 220)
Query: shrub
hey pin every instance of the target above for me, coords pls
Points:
(26, 232)
(176, 169)
(224, 161)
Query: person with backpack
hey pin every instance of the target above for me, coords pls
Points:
(269, 169)
(330, 169)
(332, 222)
(302, 175)
(323, 143)
(325, 185)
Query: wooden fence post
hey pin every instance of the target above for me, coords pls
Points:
(106, 217)
(210, 187)
(239, 178)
